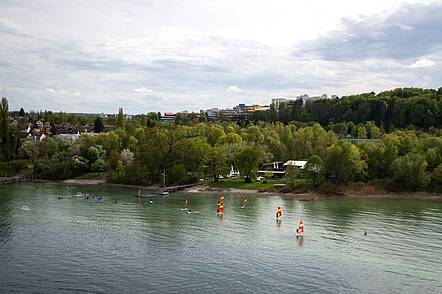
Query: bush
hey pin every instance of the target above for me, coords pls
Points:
(15, 166)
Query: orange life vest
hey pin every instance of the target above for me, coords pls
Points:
(279, 212)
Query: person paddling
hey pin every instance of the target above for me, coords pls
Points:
(300, 229)
(185, 204)
(220, 206)
(279, 212)
(244, 202)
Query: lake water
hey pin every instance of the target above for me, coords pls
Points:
(51, 245)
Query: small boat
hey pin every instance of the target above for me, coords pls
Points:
(165, 193)
(79, 194)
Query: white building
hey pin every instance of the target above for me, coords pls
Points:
(212, 114)
(277, 101)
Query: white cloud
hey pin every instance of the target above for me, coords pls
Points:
(422, 63)
(8, 26)
(142, 90)
(405, 27)
(62, 92)
(234, 89)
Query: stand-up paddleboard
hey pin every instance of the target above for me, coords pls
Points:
(277, 218)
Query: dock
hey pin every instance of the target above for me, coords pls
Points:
(177, 188)
(17, 179)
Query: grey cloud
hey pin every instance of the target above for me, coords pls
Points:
(412, 31)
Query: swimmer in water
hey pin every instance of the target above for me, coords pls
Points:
(189, 211)
(151, 201)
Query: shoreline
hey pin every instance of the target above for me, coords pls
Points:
(308, 196)
(367, 192)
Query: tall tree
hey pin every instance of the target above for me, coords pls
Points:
(5, 130)
(120, 118)
(98, 125)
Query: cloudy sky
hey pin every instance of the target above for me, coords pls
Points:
(171, 55)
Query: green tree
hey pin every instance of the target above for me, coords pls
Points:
(152, 119)
(194, 154)
(98, 124)
(313, 168)
(362, 132)
(248, 160)
(218, 162)
(291, 174)
(120, 118)
(343, 163)
(35, 150)
(437, 174)
(5, 130)
(409, 171)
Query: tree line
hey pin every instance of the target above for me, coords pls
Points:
(389, 110)
(142, 151)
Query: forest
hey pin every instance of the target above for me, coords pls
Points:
(406, 155)
(396, 109)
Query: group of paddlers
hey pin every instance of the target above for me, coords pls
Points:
(299, 230)
(220, 212)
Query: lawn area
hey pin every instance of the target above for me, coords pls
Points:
(240, 184)
(92, 176)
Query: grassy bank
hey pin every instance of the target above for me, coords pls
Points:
(92, 176)
(268, 186)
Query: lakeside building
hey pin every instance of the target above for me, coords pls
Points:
(277, 169)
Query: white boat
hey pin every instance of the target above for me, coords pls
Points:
(79, 194)
(165, 193)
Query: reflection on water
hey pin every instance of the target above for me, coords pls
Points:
(126, 244)
(300, 241)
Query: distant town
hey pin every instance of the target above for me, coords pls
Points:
(33, 124)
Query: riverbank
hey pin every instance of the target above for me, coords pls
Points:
(372, 192)
(346, 192)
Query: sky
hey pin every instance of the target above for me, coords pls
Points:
(173, 55)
